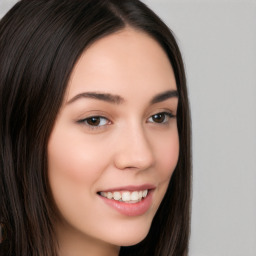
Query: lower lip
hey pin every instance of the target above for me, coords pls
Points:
(130, 209)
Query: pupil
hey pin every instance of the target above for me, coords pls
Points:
(158, 118)
(93, 121)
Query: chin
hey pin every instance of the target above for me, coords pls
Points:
(132, 241)
(131, 238)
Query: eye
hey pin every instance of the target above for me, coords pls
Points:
(161, 118)
(95, 121)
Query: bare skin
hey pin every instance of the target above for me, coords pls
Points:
(116, 128)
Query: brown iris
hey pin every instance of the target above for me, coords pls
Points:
(158, 118)
(94, 121)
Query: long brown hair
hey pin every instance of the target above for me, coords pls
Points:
(40, 42)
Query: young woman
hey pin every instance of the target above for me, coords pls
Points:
(94, 131)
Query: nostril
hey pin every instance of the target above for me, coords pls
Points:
(134, 160)
(134, 150)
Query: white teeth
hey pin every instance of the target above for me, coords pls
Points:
(109, 195)
(135, 195)
(144, 193)
(125, 196)
(104, 194)
(117, 195)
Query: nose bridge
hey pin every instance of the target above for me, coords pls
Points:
(135, 150)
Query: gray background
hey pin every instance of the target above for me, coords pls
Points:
(218, 42)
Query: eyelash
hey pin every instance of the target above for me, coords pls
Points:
(86, 120)
(167, 117)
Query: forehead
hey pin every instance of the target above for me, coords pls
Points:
(121, 63)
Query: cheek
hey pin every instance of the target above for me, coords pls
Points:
(74, 170)
(167, 153)
(73, 158)
(165, 147)
(166, 150)
(73, 167)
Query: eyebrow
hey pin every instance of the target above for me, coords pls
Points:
(165, 96)
(116, 99)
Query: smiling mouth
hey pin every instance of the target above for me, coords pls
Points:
(125, 196)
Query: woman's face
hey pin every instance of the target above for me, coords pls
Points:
(115, 138)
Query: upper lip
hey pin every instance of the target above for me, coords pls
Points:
(131, 188)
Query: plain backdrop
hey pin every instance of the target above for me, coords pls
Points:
(218, 43)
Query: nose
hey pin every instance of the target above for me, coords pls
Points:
(134, 150)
